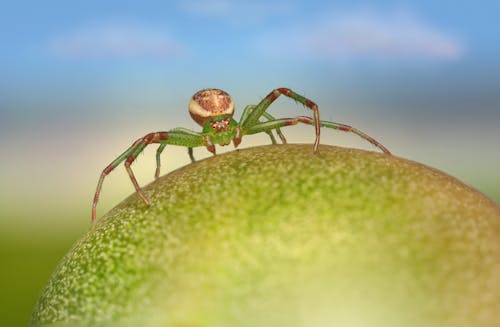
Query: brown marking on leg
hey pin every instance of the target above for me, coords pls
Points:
(108, 169)
(237, 137)
(298, 119)
(128, 162)
(273, 95)
(308, 103)
(105, 172)
(284, 90)
(305, 120)
(209, 145)
(152, 138)
(162, 136)
(147, 139)
(347, 128)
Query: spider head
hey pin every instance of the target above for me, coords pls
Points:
(210, 103)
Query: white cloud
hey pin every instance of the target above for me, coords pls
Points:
(115, 40)
(365, 34)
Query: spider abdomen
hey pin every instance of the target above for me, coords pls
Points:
(209, 103)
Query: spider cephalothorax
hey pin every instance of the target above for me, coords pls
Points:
(209, 103)
(213, 110)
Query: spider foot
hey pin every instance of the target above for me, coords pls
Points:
(143, 198)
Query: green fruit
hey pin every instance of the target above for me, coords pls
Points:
(277, 236)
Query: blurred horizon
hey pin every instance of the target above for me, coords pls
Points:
(79, 82)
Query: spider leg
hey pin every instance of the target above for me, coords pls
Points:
(162, 147)
(268, 116)
(158, 163)
(190, 153)
(278, 130)
(128, 162)
(262, 127)
(271, 136)
(252, 117)
(180, 137)
(245, 113)
(350, 129)
(129, 155)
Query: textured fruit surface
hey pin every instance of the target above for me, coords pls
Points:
(277, 236)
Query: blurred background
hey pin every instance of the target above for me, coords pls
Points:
(80, 81)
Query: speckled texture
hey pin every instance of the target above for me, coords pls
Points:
(277, 236)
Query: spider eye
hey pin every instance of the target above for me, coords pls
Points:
(210, 103)
(220, 125)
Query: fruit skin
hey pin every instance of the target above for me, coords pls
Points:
(277, 236)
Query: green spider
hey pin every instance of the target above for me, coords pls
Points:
(213, 110)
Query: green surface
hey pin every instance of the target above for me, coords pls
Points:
(26, 267)
(276, 236)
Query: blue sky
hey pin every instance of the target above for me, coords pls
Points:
(435, 56)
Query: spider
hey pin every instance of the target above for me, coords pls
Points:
(213, 110)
